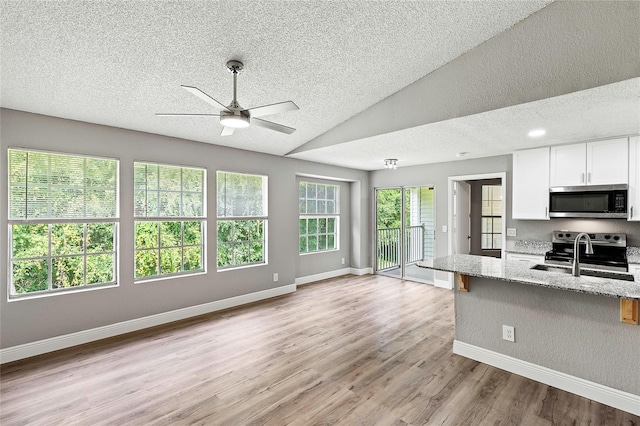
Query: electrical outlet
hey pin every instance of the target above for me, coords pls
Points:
(343, 260)
(511, 232)
(444, 228)
(508, 333)
(275, 277)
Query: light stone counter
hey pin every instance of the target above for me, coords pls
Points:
(520, 272)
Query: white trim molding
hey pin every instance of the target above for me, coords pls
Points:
(27, 350)
(361, 271)
(323, 276)
(448, 284)
(606, 395)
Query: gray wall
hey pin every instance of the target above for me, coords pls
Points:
(571, 332)
(28, 320)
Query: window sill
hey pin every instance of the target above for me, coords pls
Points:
(156, 278)
(319, 252)
(51, 293)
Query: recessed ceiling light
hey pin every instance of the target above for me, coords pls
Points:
(461, 154)
(536, 133)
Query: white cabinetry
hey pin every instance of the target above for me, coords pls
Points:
(634, 179)
(591, 163)
(530, 194)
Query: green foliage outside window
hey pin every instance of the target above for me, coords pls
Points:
(318, 208)
(240, 242)
(164, 248)
(242, 219)
(81, 254)
(165, 244)
(62, 215)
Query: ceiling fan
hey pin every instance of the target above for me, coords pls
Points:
(234, 116)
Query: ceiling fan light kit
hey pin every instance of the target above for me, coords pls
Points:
(234, 116)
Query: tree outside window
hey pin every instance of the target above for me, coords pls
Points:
(63, 221)
(242, 219)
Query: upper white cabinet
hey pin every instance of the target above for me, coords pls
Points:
(530, 195)
(634, 178)
(591, 163)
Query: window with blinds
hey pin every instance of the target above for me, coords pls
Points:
(169, 207)
(63, 217)
(319, 215)
(242, 219)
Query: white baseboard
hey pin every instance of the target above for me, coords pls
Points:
(323, 276)
(442, 283)
(27, 350)
(361, 271)
(613, 397)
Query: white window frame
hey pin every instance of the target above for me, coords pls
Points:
(160, 219)
(305, 215)
(263, 218)
(50, 257)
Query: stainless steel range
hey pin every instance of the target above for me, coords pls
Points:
(609, 251)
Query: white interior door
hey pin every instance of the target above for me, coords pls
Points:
(462, 222)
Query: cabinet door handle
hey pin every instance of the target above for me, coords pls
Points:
(631, 213)
(546, 214)
(589, 177)
(582, 178)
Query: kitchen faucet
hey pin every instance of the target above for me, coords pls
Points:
(575, 269)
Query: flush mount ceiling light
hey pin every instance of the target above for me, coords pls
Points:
(391, 163)
(461, 154)
(536, 133)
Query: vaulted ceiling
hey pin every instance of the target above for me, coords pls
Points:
(418, 81)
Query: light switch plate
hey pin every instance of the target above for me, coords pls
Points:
(511, 232)
(444, 228)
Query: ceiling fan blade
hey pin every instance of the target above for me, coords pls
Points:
(208, 99)
(227, 131)
(271, 125)
(186, 115)
(273, 109)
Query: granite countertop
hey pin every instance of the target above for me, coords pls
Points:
(520, 272)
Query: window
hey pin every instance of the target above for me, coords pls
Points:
(318, 207)
(242, 219)
(491, 217)
(63, 221)
(170, 220)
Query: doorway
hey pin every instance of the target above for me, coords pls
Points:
(477, 211)
(405, 231)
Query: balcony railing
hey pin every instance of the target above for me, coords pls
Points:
(388, 250)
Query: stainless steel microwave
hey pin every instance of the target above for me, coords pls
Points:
(597, 201)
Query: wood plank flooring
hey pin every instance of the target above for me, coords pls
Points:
(368, 350)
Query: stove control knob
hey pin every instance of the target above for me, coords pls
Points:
(607, 237)
(560, 235)
(616, 238)
(567, 235)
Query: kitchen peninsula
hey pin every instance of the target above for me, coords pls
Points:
(568, 330)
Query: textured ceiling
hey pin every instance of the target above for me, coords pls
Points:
(118, 63)
(602, 112)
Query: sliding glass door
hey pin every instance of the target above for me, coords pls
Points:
(405, 231)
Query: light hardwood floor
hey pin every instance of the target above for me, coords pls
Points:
(369, 350)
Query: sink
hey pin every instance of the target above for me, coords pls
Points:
(586, 272)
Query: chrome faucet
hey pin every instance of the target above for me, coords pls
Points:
(575, 269)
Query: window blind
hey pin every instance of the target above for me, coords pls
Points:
(56, 186)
